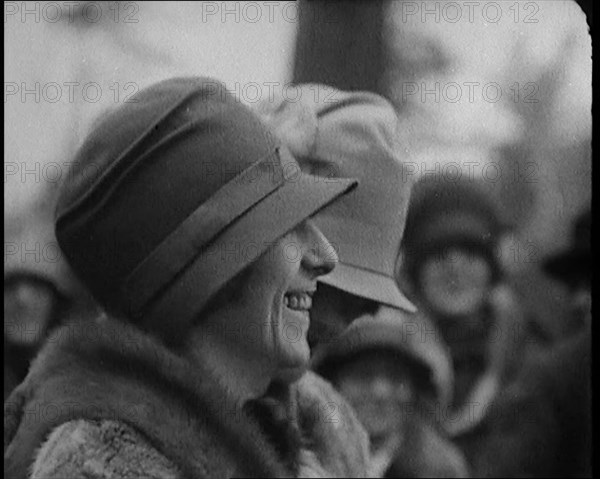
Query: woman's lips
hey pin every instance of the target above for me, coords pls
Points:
(298, 301)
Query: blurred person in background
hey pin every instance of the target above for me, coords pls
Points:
(542, 425)
(397, 377)
(32, 304)
(197, 366)
(451, 267)
(355, 134)
(573, 268)
(35, 304)
(40, 290)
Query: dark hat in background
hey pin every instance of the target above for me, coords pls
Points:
(574, 261)
(354, 134)
(411, 336)
(446, 212)
(167, 194)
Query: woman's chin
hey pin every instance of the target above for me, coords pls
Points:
(295, 363)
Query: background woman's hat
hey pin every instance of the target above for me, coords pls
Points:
(447, 212)
(174, 193)
(339, 134)
(412, 336)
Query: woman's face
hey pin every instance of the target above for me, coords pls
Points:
(271, 307)
(379, 389)
(455, 283)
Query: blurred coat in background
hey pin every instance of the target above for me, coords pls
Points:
(540, 424)
(542, 420)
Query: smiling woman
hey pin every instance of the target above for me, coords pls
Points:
(200, 358)
(274, 297)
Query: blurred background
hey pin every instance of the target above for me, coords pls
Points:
(497, 90)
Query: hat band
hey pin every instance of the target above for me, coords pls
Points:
(200, 228)
(242, 243)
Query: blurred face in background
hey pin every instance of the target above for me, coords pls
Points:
(455, 282)
(30, 308)
(378, 386)
(29, 303)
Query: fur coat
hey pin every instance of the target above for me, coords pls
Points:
(104, 400)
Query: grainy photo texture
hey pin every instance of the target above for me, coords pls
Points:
(297, 239)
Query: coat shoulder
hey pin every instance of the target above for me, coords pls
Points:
(99, 450)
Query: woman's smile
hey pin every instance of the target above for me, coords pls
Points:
(298, 300)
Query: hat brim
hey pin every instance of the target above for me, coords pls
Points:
(238, 246)
(460, 226)
(368, 284)
(568, 264)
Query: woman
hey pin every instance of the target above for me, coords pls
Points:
(451, 265)
(194, 234)
(387, 365)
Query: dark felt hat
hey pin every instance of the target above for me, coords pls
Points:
(175, 192)
(446, 212)
(412, 336)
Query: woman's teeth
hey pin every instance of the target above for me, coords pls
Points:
(298, 301)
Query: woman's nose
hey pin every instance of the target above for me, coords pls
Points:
(320, 256)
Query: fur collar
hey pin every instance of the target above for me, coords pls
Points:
(107, 369)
